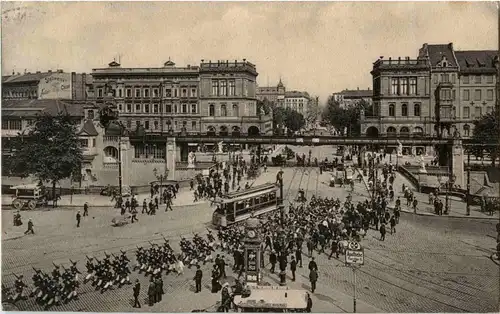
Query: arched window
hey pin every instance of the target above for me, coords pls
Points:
(392, 110)
(211, 110)
(235, 110)
(404, 131)
(416, 110)
(418, 131)
(223, 111)
(110, 154)
(466, 130)
(391, 131)
(404, 110)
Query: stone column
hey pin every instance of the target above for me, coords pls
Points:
(171, 157)
(457, 163)
(126, 160)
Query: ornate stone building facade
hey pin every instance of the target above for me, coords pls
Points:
(228, 99)
(441, 92)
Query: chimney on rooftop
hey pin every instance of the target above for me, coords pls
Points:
(450, 45)
(202, 60)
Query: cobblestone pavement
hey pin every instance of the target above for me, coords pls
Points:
(429, 265)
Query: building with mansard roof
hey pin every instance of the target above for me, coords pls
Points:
(440, 92)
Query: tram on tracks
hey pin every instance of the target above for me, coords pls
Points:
(237, 206)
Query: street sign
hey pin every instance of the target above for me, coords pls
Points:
(354, 254)
(354, 246)
(355, 257)
(315, 140)
(299, 140)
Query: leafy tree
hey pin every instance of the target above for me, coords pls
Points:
(349, 117)
(49, 150)
(294, 121)
(486, 130)
(313, 112)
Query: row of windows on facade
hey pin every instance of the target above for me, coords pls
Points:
(225, 87)
(146, 92)
(447, 112)
(404, 86)
(156, 108)
(24, 94)
(140, 151)
(174, 108)
(464, 79)
(155, 125)
(478, 95)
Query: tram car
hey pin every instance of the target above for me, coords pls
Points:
(238, 206)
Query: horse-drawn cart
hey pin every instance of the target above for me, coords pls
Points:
(29, 196)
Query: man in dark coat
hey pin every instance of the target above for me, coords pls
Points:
(293, 267)
(298, 256)
(137, 290)
(197, 279)
(309, 303)
(272, 260)
(151, 292)
(159, 288)
(313, 265)
(313, 278)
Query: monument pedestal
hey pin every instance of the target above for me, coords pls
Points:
(422, 178)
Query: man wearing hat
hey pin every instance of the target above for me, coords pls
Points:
(137, 290)
(78, 219)
(30, 227)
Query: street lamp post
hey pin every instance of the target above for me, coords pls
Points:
(468, 183)
(160, 177)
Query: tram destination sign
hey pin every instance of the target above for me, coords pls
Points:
(355, 257)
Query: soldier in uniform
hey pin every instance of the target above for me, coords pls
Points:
(197, 278)
(137, 290)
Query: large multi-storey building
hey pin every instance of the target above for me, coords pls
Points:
(347, 97)
(158, 99)
(441, 92)
(275, 94)
(228, 99)
(298, 101)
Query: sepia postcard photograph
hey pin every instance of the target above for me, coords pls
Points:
(250, 156)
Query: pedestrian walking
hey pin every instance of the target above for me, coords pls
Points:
(30, 227)
(78, 219)
(313, 265)
(272, 260)
(393, 224)
(382, 232)
(313, 278)
(85, 209)
(293, 267)
(335, 249)
(309, 303)
(137, 290)
(134, 215)
(197, 278)
(298, 255)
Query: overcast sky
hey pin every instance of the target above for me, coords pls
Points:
(319, 47)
